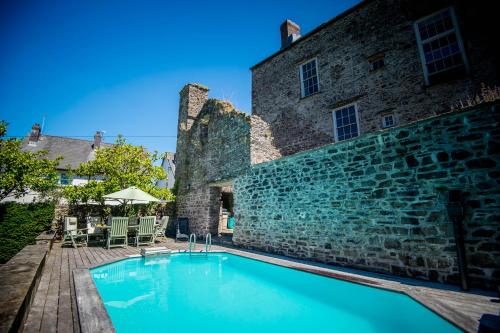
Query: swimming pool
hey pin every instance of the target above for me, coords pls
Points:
(222, 292)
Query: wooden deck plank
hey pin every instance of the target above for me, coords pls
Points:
(105, 254)
(34, 318)
(129, 251)
(49, 319)
(74, 309)
(97, 254)
(85, 259)
(78, 258)
(64, 315)
(90, 256)
(112, 254)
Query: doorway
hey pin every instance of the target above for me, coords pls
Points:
(226, 214)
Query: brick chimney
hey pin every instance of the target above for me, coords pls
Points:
(97, 139)
(35, 133)
(290, 32)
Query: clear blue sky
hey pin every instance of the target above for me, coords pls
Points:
(118, 65)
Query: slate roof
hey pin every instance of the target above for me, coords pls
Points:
(73, 151)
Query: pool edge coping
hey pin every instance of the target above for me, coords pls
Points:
(92, 313)
(445, 312)
(452, 316)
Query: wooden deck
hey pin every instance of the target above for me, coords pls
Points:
(54, 306)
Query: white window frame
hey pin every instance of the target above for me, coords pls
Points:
(384, 125)
(302, 91)
(456, 30)
(356, 112)
(64, 175)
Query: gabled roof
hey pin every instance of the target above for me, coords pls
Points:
(73, 151)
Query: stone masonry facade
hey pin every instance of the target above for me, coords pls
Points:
(213, 147)
(378, 202)
(344, 48)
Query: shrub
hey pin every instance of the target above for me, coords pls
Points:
(486, 95)
(20, 224)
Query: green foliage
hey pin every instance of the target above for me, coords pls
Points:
(487, 94)
(175, 189)
(115, 168)
(21, 171)
(20, 224)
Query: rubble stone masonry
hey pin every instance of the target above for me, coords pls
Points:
(344, 47)
(378, 202)
(213, 146)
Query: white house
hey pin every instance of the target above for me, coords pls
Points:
(168, 164)
(73, 151)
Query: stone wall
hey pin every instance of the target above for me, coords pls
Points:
(378, 202)
(343, 48)
(262, 145)
(214, 150)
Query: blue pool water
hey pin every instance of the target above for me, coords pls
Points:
(227, 293)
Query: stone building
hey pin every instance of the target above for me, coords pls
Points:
(350, 154)
(381, 202)
(213, 147)
(380, 64)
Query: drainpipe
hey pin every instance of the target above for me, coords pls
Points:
(455, 209)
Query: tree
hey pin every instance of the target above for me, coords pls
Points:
(115, 168)
(22, 171)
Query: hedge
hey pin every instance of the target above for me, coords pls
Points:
(20, 224)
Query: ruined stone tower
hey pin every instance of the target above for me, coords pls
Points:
(192, 98)
(213, 146)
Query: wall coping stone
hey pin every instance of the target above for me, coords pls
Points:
(46, 237)
(20, 276)
(343, 145)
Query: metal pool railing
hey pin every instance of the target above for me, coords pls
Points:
(192, 239)
(192, 243)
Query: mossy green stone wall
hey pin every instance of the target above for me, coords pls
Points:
(378, 202)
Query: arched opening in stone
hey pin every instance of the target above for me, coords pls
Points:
(225, 208)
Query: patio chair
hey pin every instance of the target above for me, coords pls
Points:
(146, 233)
(160, 231)
(118, 231)
(73, 235)
(182, 231)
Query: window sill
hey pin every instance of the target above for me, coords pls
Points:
(371, 71)
(451, 78)
(316, 93)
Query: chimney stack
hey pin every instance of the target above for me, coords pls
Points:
(290, 32)
(35, 133)
(97, 140)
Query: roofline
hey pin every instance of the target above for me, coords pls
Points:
(345, 13)
(68, 137)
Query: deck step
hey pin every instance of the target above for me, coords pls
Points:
(152, 251)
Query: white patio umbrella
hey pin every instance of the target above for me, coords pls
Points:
(131, 195)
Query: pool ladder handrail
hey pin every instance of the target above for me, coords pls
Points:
(192, 239)
(208, 242)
